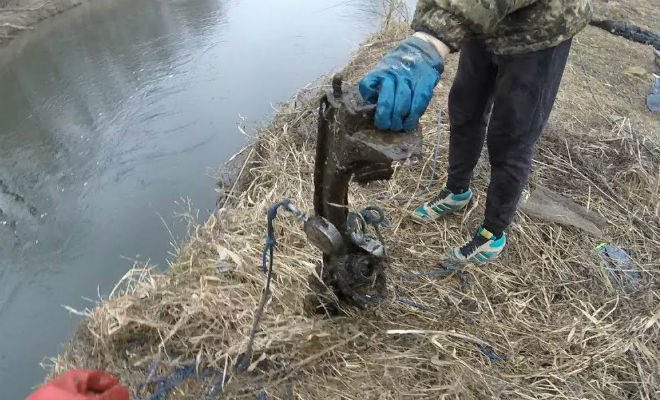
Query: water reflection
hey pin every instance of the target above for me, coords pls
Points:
(61, 124)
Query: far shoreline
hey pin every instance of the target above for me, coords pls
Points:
(20, 16)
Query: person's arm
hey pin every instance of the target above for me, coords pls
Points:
(451, 21)
(402, 83)
(439, 46)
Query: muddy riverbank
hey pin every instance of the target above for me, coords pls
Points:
(19, 16)
(113, 116)
(544, 321)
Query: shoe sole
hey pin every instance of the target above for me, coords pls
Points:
(456, 263)
(422, 220)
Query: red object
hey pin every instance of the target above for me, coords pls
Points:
(82, 384)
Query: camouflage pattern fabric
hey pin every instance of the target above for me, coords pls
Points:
(505, 26)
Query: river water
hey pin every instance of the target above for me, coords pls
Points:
(114, 111)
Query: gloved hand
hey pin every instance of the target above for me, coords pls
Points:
(82, 384)
(402, 84)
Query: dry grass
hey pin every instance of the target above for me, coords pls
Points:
(546, 306)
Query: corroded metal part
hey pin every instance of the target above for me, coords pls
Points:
(323, 235)
(349, 148)
(357, 230)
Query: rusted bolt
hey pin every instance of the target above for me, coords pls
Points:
(336, 85)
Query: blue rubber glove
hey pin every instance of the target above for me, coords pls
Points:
(402, 84)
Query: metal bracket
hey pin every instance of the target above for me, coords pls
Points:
(349, 148)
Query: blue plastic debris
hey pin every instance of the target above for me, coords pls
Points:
(619, 266)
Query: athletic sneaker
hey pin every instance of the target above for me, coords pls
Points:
(444, 203)
(483, 247)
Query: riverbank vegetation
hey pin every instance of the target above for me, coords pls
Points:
(545, 321)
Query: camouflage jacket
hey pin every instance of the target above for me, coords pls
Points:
(506, 26)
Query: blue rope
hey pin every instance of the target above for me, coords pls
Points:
(270, 236)
(490, 354)
(140, 385)
(411, 303)
(165, 384)
(267, 256)
(487, 350)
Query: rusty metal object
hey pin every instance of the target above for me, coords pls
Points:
(323, 235)
(357, 230)
(349, 148)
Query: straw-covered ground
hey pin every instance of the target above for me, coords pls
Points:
(546, 307)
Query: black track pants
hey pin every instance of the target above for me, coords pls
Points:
(521, 89)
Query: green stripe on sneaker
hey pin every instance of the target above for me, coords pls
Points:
(462, 196)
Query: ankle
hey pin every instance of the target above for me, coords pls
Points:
(497, 232)
(457, 189)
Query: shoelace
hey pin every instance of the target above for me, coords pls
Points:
(472, 245)
(445, 192)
